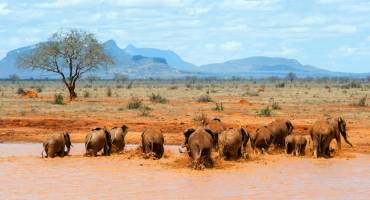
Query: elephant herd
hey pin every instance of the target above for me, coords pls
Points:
(212, 136)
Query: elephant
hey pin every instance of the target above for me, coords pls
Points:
(55, 145)
(262, 139)
(232, 143)
(152, 142)
(295, 144)
(96, 140)
(324, 131)
(118, 135)
(199, 143)
(216, 126)
(280, 128)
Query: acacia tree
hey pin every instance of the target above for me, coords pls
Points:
(291, 76)
(69, 54)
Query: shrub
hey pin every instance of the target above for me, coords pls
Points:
(362, 101)
(280, 85)
(109, 92)
(129, 86)
(157, 98)
(145, 111)
(173, 87)
(266, 112)
(134, 103)
(58, 99)
(219, 107)
(275, 105)
(199, 87)
(251, 93)
(38, 89)
(20, 91)
(200, 118)
(86, 94)
(204, 98)
(352, 84)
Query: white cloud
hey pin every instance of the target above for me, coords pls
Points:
(4, 10)
(145, 3)
(62, 3)
(340, 28)
(231, 45)
(250, 4)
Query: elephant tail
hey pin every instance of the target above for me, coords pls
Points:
(87, 141)
(45, 145)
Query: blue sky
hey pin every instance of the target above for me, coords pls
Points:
(331, 34)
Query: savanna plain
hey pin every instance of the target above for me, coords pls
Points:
(172, 107)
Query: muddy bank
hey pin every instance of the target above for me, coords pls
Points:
(24, 175)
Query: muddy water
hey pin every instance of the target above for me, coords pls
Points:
(24, 175)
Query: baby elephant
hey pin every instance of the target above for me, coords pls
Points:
(232, 143)
(118, 135)
(152, 142)
(295, 144)
(55, 145)
(96, 140)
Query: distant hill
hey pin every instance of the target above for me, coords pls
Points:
(260, 66)
(137, 66)
(165, 64)
(171, 57)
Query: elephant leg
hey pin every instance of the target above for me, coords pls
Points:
(315, 147)
(51, 152)
(61, 153)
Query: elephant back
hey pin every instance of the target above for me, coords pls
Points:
(96, 139)
(203, 137)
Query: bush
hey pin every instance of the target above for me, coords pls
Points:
(204, 98)
(134, 103)
(275, 105)
(86, 94)
(58, 99)
(173, 87)
(157, 98)
(362, 101)
(280, 85)
(266, 112)
(352, 84)
(20, 91)
(251, 93)
(109, 92)
(219, 107)
(200, 118)
(129, 86)
(39, 89)
(145, 111)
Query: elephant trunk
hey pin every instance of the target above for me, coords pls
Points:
(68, 149)
(182, 148)
(344, 134)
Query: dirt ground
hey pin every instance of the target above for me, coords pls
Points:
(24, 119)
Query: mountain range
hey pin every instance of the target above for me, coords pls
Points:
(166, 64)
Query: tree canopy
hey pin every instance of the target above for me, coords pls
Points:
(69, 54)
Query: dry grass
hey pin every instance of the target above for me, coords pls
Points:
(301, 102)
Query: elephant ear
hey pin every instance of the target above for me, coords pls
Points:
(290, 126)
(124, 128)
(341, 124)
(217, 119)
(188, 132)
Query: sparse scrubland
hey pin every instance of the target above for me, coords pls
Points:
(173, 105)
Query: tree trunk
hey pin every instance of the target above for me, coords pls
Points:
(72, 93)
